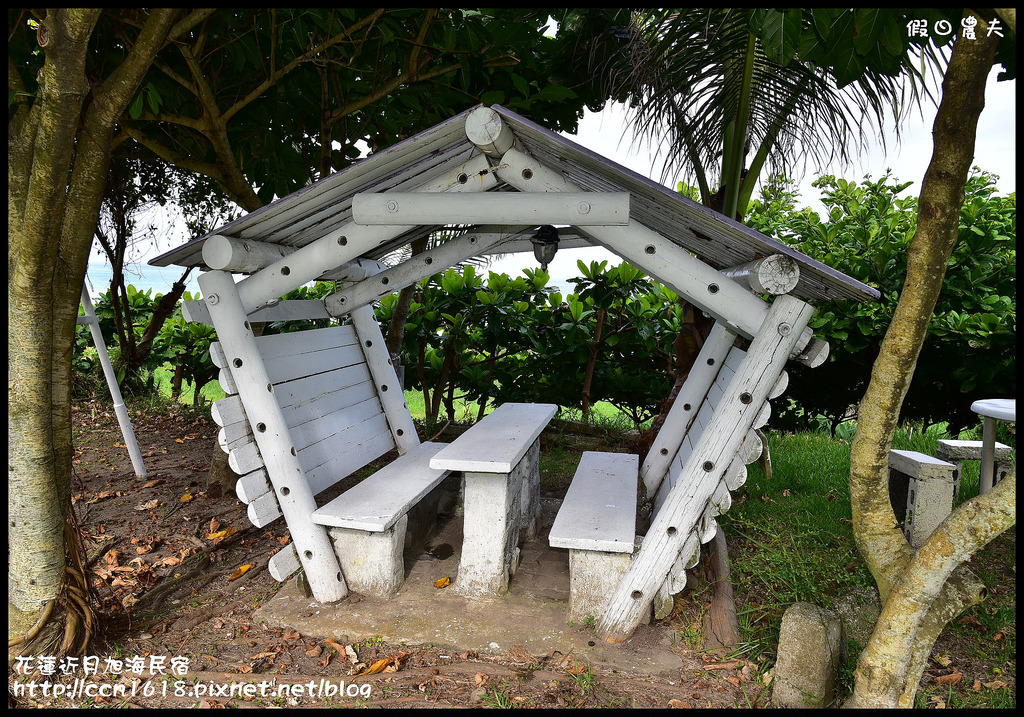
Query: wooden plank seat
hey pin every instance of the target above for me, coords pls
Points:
(599, 513)
(329, 386)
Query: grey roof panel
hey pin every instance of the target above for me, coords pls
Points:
(317, 209)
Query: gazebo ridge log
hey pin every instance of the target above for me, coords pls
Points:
(306, 410)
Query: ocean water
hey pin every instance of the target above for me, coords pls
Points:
(155, 279)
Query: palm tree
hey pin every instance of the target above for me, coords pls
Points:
(732, 92)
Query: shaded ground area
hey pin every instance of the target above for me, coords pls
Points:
(182, 580)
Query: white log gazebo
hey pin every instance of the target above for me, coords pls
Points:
(306, 410)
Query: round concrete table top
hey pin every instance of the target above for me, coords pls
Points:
(1002, 409)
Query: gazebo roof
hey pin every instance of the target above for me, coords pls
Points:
(320, 208)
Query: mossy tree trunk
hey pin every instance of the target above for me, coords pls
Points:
(58, 143)
(922, 590)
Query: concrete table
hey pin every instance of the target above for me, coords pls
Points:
(992, 410)
(499, 459)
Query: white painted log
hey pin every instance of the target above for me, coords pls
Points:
(123, 420)
(242, 256)
(284, 563)
(485, 129)
(684, 407)
(290, 310)
(389, 388)
(419, 208)
(814, 354)
(349, 241)
(728, 302)
(719, 444)
(775, 274)
(252, 485)
(780, 386)
(414, 269)
(291, 490)
(227, 381)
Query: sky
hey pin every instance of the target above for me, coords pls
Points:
(607, 134)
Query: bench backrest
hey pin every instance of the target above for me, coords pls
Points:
(326, 391)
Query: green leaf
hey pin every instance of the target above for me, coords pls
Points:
(154, 99)
(135, 108)
(780, 34)
(521, 84)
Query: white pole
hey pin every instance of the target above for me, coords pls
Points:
(115, 392)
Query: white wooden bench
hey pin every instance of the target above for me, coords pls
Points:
(956, 452)
(332, 405)
(597, 524)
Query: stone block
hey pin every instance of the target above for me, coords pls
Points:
(810, 644)
(921, 492)
(372, 563)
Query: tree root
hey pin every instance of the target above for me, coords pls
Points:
(66, 625)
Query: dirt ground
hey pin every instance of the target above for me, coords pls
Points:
(178, 575)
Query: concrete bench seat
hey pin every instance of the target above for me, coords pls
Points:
(499, 458)
(956, 452)
(597, 523)
(921, 492)
(368, 523)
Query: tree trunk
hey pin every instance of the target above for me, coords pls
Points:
(54, 192)
(721, 627)
(917, 598)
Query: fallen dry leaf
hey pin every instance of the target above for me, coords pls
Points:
(314, 651)
(242, 569)
(186, 498)
(153, 483)
(996, 685)
(149, 505)
(442, 582)
(376, 667)
(339, 648)
(480, 678)
(221, 534)
(950, 679)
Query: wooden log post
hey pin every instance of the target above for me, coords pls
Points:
(392, 398)
(312, 543)
(684, 507)
(577, 208)
(242, 256)
(685, 407)
(776, 274)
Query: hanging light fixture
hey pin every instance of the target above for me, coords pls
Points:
(545, 244)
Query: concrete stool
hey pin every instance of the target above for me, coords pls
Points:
(956, 452)
(921, 492)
